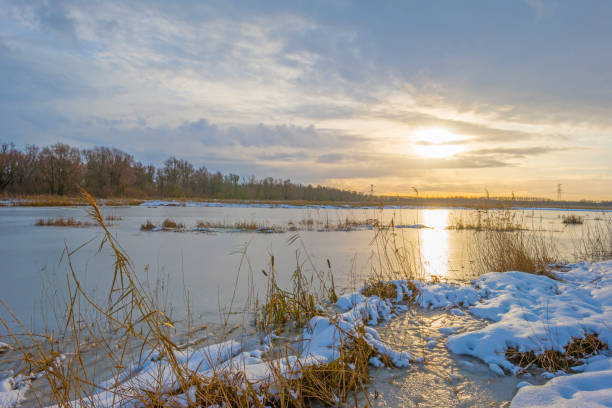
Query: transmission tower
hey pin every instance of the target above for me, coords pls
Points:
(558, 192)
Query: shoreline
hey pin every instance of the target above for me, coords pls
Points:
(424, 203)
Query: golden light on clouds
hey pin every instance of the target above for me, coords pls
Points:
(436, 143)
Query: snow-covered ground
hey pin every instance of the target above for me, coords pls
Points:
(592, 388)
(524, 311)
(162, 203)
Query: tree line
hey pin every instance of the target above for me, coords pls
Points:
(109, 172)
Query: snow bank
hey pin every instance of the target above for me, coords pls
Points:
(162, 203)
(534, 312)
(593, 388)
(12, 391)
(446, 295)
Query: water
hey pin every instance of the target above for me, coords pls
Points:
(209, 266)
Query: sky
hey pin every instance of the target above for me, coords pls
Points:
(449, 97)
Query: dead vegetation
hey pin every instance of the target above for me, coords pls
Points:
(595, 241)
(62, 222)
(555, 360)
(572, 219)
(167, 225)
(247, 226)
(487, 220)
(131, 323)
(148, 226)
(501, 251)
(170, 224)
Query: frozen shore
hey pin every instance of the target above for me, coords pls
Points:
(525, 312)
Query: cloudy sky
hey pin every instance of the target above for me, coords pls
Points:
(446, 96)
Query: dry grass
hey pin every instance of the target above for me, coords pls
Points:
(487, 220)
(572, 220)
(148, 226)
(595, 243)
(170, 224)
(555, 360)
(380, 288)
(67, 201)
(501, 251)
(129, 316)
(334, 383)
(282, 306)
(394, 256)
(131, 323)
(248, 226)
(62, 222)
(345, 224)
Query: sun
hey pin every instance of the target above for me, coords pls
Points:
(436, 143)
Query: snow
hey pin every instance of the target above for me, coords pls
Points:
(346, 302)
(534, 312)
(524, 311)
(161, 203)
(322, 340)
(12, 391)
(445, 295)
(592, 388)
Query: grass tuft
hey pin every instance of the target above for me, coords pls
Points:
(555, 360)
(170, 224)
(501, 251)
(148, 226)
(572, 219)
(487, 220)
(282, 306)
(62, 222)
(595, 244)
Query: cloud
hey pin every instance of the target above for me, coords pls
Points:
(312, 91)
(519, 152)
(330, 158)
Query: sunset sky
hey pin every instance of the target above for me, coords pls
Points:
(450, 97)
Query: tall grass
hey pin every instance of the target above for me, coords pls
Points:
(487, 220)
(62, 222)
(572, 219)
(129, 318)
(131, 327)
(501, 251)
(595, 241)
(395, 256)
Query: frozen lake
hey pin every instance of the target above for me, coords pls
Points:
(34, 269)
(210, 265)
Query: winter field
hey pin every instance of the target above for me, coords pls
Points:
(210, 305)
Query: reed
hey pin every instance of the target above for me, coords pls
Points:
(132, 324)
(170, 224)
(572, 219)
(595, 241)
(487, 220)
(281, 306)
(501, 251)
(148, 226)
(62, 222)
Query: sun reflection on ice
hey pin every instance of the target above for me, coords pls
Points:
(434, 243)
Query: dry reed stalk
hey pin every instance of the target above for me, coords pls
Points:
(62, 222)
(595, 241)
(554, 360)
(501, 251)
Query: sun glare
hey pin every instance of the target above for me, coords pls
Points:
(436, 143)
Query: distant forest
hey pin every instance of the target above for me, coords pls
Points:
(108, 172)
